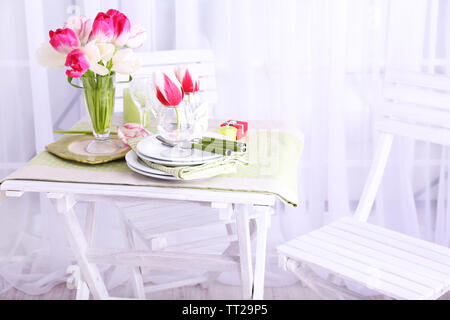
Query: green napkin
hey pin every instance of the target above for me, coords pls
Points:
(130, 110)
(224, 165)
(224, 144)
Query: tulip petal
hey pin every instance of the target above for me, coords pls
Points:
(189, 82)
(81, 25)
(102, 28)
(64, 40)
(48, 57)
(131, 130)
(78, 62)
(106, 51)
(92, 51)
(99, 69)
(137, 37)
(168, 89)
(125, 61)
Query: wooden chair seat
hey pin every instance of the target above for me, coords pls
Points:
(389, 262)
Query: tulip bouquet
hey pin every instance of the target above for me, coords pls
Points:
(94, 51)
(176, 92)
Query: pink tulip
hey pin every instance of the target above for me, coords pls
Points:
(121, 27)
(64, 40)
(138, 34)
(102, 28)
(79, 63)
(168, 89)
(189, 83)
(82, 27)
(131, 130)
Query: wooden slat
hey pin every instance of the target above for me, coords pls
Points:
(208, 83)
(204, 243)
(418, 79)
(199, 69)
(140, 214)
(411, 95)
(377, 279)
(206, 87)
(162, 260)
(136, 208)
(416, 114)
(423, 133)
(153, 233)
(385, 251)
(322, 240)
(384, 145)
(346, 269)
(210, 97)
(397, 237)
(369, 253)
(186, 216)
(176, 56)
(176, 284)
(98, 192)
(406, 267)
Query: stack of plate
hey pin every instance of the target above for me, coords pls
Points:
(153, 150)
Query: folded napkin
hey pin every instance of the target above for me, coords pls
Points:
(223, 165)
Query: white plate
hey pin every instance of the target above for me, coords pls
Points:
(157, 176)
(133, 163)
(153, 150)
(172, 163)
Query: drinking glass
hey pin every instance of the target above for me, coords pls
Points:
(176, 124)
(141, 93)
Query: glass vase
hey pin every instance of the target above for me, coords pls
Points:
(99, 96)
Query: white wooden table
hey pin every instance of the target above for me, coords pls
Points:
(241, 206)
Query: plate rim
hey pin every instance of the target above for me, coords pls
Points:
(153, 175)
(173, 163)
(137, 158)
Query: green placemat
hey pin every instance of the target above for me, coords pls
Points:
(273, 157)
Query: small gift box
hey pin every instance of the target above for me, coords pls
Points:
(234, 129)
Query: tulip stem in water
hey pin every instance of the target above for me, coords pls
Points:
(178, 122)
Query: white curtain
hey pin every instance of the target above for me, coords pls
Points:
(316, 64)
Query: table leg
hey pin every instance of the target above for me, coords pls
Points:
(245, 252)
(136, 272)
(75, 281)
(2, 196)
(78, 243)
(262, 225)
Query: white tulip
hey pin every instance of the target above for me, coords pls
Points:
(48, 57)
(106, 51)
(125, 61)
(138, 34)
(92, 52)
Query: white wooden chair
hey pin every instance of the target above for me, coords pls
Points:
(398, 266)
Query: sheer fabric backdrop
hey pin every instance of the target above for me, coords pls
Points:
(314, 64)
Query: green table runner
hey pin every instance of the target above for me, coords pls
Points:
(273, 152)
